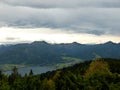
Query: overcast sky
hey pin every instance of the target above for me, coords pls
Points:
(57, 21)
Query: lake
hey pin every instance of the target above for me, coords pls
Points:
(35, 69)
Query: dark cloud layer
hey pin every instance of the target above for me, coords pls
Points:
(89, 16)
(63, 3)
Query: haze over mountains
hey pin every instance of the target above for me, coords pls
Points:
(43, 53)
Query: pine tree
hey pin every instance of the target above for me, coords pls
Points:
(31, 72)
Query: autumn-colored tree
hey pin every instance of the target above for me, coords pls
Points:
(98, 66)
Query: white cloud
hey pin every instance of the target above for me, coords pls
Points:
(53, 36)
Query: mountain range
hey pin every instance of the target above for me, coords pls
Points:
(43, 53)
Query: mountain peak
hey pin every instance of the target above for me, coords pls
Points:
(76, 43)
(110, 42)
(39, 42)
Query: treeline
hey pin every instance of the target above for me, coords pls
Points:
(99, 74)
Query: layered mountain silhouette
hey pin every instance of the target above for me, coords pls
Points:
(43, 53)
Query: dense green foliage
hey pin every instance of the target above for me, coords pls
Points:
(100, 74)
(43, 53)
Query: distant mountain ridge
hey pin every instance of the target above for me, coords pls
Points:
(43, 53)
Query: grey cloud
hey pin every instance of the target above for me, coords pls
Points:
(13, 42)
(11, 38)
(63, 3)
(96, 32)
(96, 21)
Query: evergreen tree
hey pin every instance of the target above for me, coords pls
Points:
(31, 72)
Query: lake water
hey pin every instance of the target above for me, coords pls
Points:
(35, 69)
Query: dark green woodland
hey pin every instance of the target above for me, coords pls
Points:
(99, 74)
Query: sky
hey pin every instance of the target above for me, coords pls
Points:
(59, 21)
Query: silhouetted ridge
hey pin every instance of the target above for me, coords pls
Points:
(39, 42)
(43, 53)
(110, 43)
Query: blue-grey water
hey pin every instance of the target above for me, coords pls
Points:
(35, 69)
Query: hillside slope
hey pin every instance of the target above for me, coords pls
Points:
(43, 53)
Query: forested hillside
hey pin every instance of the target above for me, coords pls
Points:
(43, 53)
(99, 74)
